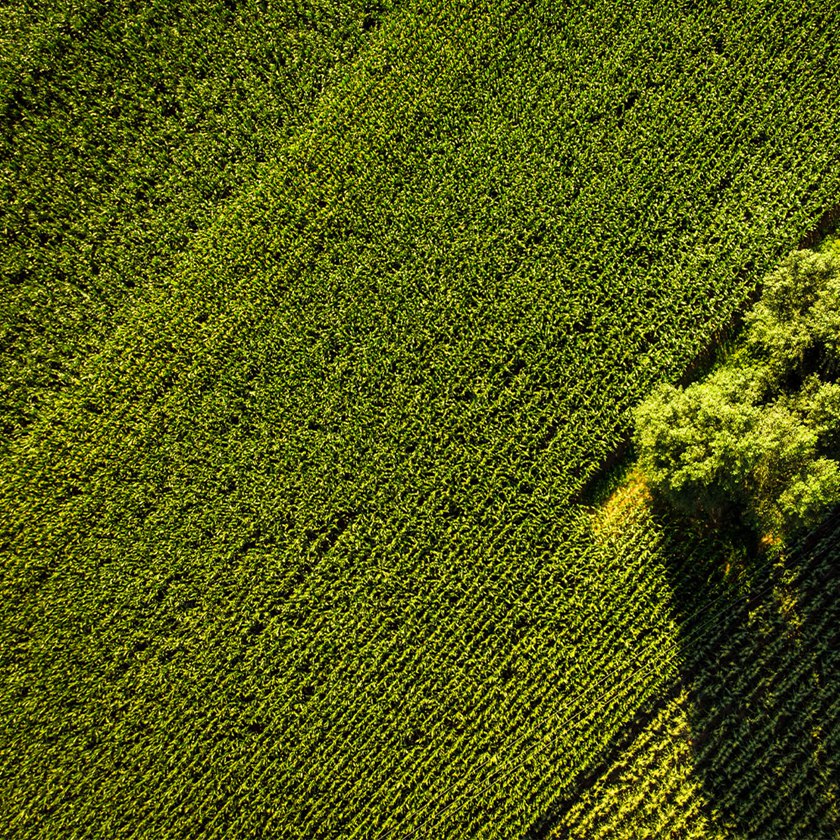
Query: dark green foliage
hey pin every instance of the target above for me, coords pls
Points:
(759, 437)
(294, 552)
(124, 128)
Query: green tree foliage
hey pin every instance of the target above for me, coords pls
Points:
(759, 438)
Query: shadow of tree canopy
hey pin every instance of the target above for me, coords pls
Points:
(763, 679)
(747, 742)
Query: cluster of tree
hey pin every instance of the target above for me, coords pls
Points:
(758, 441)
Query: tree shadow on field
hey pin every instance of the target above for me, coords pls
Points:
(760, 658)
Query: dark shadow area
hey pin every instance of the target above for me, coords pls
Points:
(547, 824)
(760, 645)
(759, 653)
(826, 224)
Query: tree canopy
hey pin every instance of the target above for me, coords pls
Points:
(759, 438)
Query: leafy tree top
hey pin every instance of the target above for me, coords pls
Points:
(759, 439)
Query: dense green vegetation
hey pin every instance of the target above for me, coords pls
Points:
(759, 439)
(124, 128)
(292, 533)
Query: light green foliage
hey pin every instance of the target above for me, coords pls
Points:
(798, 309)
(824, 318)
(290, 520)
(812, 491)
(697, 445)
(820, 404)
(755, 435)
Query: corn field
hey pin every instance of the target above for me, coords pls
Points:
(318, 324)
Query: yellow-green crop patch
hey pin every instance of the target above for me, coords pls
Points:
(124, 128)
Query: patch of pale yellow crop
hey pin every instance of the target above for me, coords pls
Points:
(627, 503)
